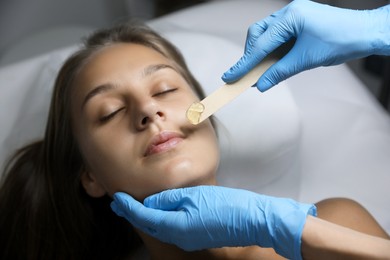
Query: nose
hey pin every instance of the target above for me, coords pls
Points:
(148, 113)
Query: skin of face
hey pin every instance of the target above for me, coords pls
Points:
(128, 106)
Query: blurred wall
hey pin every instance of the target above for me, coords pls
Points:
(20, 19)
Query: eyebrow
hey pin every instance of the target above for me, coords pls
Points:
(104, 88)
(96, 91)
(156, 67)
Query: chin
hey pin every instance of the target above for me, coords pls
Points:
(185, 174)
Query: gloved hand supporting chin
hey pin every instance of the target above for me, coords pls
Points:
(325, 36)
(210, 217)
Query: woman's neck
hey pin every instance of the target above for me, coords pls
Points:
(160, 250)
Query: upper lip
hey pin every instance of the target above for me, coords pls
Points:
(160, 138)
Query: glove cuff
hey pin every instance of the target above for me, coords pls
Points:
(380, 26)
(288, 220)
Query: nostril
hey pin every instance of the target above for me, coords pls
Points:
(144, 120)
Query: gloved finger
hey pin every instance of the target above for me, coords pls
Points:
(168, 200)
(272, 38)
(252, 56)
(143, 218)
(240, 68)
(150, 221)
(254, 32)
(278, 32)
(285, 68)
(248, 62)
(260, 27)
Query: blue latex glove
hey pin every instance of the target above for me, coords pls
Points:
(211, 216)
(325, 36)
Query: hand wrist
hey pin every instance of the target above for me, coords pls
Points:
(324, 240)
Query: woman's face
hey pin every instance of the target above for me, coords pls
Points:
(128, 115)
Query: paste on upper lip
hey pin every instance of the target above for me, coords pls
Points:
(194, 112)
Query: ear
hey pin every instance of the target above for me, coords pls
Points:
(91, 185)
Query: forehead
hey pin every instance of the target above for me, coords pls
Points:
(114, 58)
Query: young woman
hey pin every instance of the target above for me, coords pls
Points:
(117, 123)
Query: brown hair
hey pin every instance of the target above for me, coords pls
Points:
(45, 212)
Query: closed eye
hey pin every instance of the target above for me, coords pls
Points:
(165, 92)
(107, 117)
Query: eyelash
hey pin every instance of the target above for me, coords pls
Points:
(165, 92)
(106, 118)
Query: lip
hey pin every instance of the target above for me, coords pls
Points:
(162, 142)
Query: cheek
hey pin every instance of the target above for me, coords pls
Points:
(208, 148)
(179, 107)
(108, 161)
(117, 168)
(200, 158)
